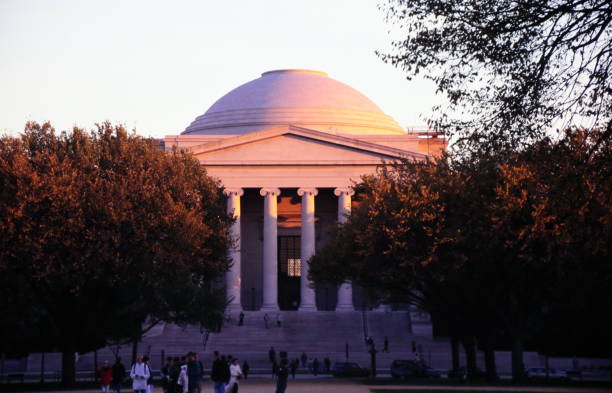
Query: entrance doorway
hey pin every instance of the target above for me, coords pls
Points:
(289, 272)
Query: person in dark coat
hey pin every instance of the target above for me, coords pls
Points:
(315, 366)
(173, 374)
(245, 369)
(327, 364)
(220, 373)
(282, 374)
(118, 375)
(272, 355)
(195, 372)
(293, 366)
(304, 358)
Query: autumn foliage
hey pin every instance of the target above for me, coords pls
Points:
(100, 231)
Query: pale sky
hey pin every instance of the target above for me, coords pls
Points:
(157, 65)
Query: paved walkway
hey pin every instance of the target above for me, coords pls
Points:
(331, 385)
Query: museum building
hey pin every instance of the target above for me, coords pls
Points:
(287, 147)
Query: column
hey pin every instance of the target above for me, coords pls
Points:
(345, 291)
(270, 253)
(232, 277)
(307, 247)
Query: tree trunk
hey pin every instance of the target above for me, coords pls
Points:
(518, 368)
(134, 349)
(68, 365)
(489, 356)
(470, 355)
(455, 354)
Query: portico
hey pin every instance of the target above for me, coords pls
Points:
(287, 148)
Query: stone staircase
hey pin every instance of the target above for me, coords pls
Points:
(322, 334)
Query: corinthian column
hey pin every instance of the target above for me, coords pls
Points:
(345, 291)
(270, 253)
(232, 277)
(307, 247)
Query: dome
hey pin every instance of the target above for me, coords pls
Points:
(303, 98)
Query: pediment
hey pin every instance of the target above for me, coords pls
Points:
(296, 146)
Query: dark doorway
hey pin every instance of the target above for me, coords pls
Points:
(289, 272)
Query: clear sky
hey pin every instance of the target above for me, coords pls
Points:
(156, 65)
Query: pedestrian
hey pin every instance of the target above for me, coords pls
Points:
(304, 358)
(175, 372)
(278, 321)
(140, 374)
(241, 319)
(195, 372)
(219, 374)
(145, 360)
(293, 366)
(327, 364)
(272, 355)
(118, 375)
(183, 378)
(266, 319)
(386, 345)
(106, 377)
(315, 366)
(245, 369)
(235, 375)
(164, 374)
(282, 374)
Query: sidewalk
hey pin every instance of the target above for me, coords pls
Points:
(334, 385)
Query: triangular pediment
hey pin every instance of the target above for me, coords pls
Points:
(296, 146)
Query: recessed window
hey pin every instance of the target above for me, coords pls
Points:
(294, 268)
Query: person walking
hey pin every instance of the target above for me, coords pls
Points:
(315, 366)
(304, 358)
(386, 345)
(164, 374)
(282, 374)
(175, 372)
(293, 367)
(195, 372)
(220, 373)
(235, 374)
(327, 365)
(145, 360)
(272, 355)
(183, 379)
(139, 374)
(241, 319)
(106, 377)
(245, 369)
(118, 375)
(266, 319)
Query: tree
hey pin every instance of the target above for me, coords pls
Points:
(485, 245)
(101, 231)
(510, 69)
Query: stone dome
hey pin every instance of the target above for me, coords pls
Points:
(302, 98)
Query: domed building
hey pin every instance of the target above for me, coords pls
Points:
(287, 147)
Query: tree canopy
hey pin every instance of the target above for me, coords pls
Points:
(100, 231)
(510, 69)
(486, 246)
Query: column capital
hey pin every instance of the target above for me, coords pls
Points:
(344, 190)
(270, 191)
(307, 191)
(233, 191)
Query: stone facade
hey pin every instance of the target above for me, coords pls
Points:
(287, 147)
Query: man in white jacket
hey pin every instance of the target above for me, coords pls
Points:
(140, 374)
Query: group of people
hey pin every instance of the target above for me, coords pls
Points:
(113, 377)
(185, 374)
